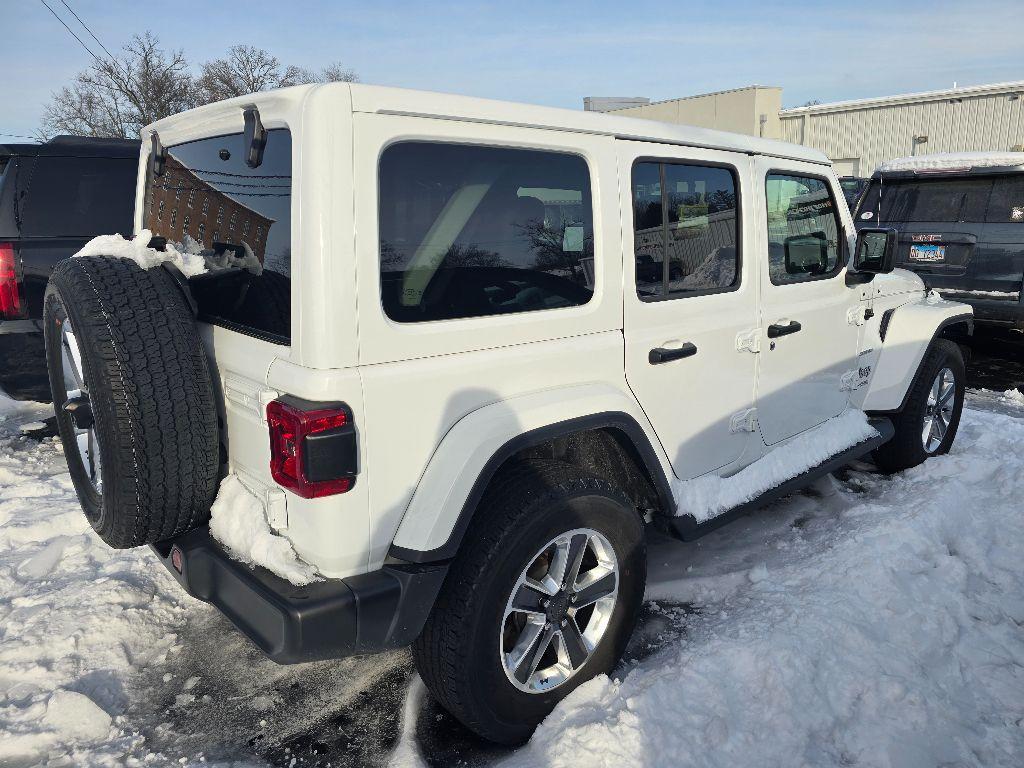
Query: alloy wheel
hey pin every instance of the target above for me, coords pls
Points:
(559, 610)
(938, 410)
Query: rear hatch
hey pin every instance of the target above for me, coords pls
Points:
(948, 230)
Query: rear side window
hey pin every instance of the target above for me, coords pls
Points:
(685, 231)
(208, 199)
(1007, 201)
(803, 228)
(80, 196)
(471, 231)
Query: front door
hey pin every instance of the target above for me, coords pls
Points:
(809, 340)
(689, 293)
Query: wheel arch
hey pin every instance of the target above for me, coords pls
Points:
(445, 500)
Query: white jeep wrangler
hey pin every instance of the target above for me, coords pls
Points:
(460, 353)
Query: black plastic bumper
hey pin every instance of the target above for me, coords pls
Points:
(23, 360)
(324, 620)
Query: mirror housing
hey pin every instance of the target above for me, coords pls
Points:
(875, 252)
(806, 254)
(255, 137)
(157, 156)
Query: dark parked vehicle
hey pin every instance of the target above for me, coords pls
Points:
(961, 226)
(54, 197)
(852, 187)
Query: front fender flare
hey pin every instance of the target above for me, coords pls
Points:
(911, 329)
(471, 452)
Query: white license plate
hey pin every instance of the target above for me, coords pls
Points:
(927, 253)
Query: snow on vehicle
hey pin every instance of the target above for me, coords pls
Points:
(442, 392)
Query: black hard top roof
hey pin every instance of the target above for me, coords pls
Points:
(75, 146)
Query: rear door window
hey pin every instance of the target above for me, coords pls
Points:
(80, 196)
(472, 231)
(209, 200)
(685, 229)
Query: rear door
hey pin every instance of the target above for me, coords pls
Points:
(808, 343)
(1001, 272)
(690, 294)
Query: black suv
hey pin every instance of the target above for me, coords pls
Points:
(961, 226)
(54, 197)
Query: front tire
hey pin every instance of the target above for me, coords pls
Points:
(543, 596)
(929, 420)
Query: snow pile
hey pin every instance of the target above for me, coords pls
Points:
(951, 161)
(137, 249)
(75, 615)
(188, 256)
(709, 496)
(239, 522)
(881, 627)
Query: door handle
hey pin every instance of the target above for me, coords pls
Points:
(662, 355)
(775, 330)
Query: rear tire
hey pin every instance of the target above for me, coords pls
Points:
(941, 375)
(467, 649)
(133, 399)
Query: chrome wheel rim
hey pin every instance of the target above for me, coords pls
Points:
(79, 407)
(938, 410)
(559, 610)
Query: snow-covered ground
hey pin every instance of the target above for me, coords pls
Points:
(871, 621)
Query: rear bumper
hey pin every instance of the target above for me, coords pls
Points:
(996, 312)
(324, 620)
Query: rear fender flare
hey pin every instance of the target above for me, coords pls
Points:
(472, 451)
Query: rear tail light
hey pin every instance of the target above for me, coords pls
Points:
(312, 447)
(11, 307)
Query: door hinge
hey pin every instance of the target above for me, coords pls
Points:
(275, 503)
(744, 421)
(749, 341)
(248, 395)
(858, 315)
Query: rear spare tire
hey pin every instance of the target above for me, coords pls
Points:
(133, 398)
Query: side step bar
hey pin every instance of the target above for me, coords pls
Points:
(687, 528)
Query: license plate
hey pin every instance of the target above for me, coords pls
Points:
(927, 253)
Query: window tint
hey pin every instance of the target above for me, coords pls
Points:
(928, 201)
(467, 231)
(803, 228)
(84, 196)
(1007, 201)
(206, 179)
(685, 229)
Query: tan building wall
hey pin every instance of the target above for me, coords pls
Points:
(753, 110)
(859, 135)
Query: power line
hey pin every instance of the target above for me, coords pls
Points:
(91, 34)
(70, 31)
(18, 136)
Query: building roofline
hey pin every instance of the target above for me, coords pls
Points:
(754, 87)
(884, 101)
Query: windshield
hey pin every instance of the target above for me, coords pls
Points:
(209, 200)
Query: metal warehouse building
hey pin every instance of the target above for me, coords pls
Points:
(857, 135)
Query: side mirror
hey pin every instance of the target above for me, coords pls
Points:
(157, 156)
(876, 251)
(806, 254)
(255, 137)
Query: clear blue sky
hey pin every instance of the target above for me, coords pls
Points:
(550, 52)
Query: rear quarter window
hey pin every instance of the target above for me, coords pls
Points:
(80, 197)
(472, 231)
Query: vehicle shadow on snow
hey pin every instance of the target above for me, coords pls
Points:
(217, 697)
